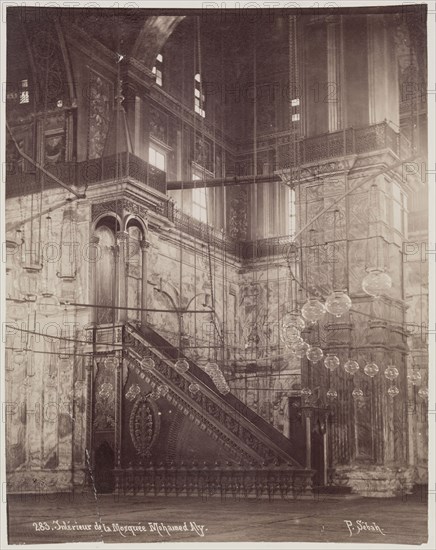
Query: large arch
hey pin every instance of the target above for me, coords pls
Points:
(153, 35)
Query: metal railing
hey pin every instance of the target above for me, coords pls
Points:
(352, 141)
(87, 172)
(214, 480)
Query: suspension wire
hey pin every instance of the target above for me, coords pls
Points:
(225, 341)
(343, 115)
(217, 331)
(44, 122)
(119, 244)
(97, 306)
(194, 149)
(255, 189)
(335, 212)
(75, 354)
(294, 160)
(52, 337)
(182, 198)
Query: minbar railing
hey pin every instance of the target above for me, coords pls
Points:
(204, 480)
(263, 436)
(84, 173)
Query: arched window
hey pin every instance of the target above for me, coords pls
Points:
(158, 69)
(105, 275)
(199, 98)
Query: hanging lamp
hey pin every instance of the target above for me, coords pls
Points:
(351, 367)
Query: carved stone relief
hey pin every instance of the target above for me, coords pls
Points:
(99, 113)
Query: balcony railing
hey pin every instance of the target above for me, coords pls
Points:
(352, 141)
(87, 172)
(242, 250)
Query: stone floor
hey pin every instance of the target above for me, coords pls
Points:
(137, 519)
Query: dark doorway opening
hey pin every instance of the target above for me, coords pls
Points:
(103, 469)
(317, 458)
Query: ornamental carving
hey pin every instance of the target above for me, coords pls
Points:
(48, 63)
(104, 418)
(203, 153)
(104, 208)
(158, 124)
(233, 434)
(238, 222)
(123, 205)
(135, 208)
(54, 148)
(144, 425)
(99, 93)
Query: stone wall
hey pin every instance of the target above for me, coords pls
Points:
(45, 376)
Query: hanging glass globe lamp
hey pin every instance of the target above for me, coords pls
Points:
(313, 310)
(300, 349)
(194, 388)
(391, 372)
(290, 344)
(423, 393)
(314, 354)
(351, 367)
(357, 394)
(415, 378)
(371, 369)
(19, 356)
(376, 282)
(181, 366)
(393, 391)
(148, 363)
(338, 303)
(331, 362)
(293, 320)
(224, 389)
(290, 334)
(211, 368)
(332, 394)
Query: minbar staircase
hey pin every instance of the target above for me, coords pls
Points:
(196, 444)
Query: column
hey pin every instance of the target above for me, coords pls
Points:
(121, 282)
(144, 290)
(89, 409)
(333, 83)
(307, 414)
(118, 409)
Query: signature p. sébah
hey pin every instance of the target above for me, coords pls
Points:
(356, 527)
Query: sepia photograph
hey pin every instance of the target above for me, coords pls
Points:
(217, 274)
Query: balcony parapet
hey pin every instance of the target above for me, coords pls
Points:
(87, 172)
